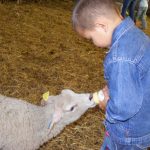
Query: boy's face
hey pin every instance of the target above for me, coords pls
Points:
(99, 35)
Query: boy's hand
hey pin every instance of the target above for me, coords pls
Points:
(103, 103)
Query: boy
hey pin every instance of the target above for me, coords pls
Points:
(127, 71)
(142, 10)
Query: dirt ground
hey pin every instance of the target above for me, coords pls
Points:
(39, 51)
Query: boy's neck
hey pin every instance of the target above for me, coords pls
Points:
(117, 22)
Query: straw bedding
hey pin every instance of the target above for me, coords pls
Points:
(39, 51)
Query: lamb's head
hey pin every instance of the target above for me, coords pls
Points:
(74, 105)
(69, 106)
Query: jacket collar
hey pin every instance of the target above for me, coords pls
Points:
(121, 29)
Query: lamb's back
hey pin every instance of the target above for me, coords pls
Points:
(15, 123)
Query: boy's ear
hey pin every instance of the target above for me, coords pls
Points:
(101, 27)
(101, 24)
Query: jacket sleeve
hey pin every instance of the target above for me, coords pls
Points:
(125, 89)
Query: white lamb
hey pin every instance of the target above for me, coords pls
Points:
(24, 126)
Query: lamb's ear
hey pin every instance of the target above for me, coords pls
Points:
(56, 118)
(43, 102)
(49, 101)
(46, 99)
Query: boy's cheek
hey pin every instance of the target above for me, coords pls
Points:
(102, 43)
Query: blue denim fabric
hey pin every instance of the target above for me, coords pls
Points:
(109, 144)
(129, 4)
(127, 71)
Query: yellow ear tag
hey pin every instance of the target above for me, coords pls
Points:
(45, 96)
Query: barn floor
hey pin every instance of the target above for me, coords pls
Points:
(39, 51)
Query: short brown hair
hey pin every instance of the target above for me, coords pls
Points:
(86, 11)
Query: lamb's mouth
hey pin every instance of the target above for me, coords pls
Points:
(93, 104)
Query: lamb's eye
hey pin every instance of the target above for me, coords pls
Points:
(72, 108)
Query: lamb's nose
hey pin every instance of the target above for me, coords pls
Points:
(91, 97)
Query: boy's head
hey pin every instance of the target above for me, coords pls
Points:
(96, 20)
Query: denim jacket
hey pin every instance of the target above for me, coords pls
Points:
(127, 72)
